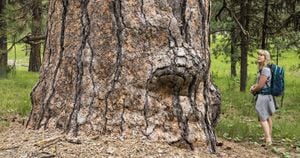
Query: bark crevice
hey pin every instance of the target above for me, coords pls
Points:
(203, 18)
(184, 26)
(182, 120)
(45, 103)
(209, 131)
(48, 35)
(119, 24)
(172, 40)
(85, 23)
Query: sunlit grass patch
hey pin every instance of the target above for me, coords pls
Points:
(15, 90)
(19, 54)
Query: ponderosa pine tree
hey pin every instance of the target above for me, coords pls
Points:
(128, 68)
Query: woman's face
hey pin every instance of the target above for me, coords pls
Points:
(261, 58)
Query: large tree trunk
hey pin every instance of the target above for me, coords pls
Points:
(3, 42)
(35, 53)
(128, 68)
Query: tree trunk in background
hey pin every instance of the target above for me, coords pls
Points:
(3, 42)
(35, 53)
(244, 45)
(265, 25)
(128, 68)
(233, 52)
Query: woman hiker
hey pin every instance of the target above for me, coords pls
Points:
(264, 105)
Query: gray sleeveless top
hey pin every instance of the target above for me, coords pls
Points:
(267, 72)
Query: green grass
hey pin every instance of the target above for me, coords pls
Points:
(15, 90)
(19, 53)
(239, 120)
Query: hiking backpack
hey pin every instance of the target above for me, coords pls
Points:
(277, 81)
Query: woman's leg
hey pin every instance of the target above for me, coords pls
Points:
(270, 125)
(266, 129)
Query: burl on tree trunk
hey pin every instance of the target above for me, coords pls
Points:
(130, 68)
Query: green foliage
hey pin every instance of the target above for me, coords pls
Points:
(17, 20)
(282, 25)
(238, 118)
(18, 17)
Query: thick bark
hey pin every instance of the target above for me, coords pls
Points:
(35, 53)
(128, 68)
(3, 42)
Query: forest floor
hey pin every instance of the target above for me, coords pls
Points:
(16, 141)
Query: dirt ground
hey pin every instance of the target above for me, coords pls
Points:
(18, 142)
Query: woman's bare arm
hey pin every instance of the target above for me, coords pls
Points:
(261, 83)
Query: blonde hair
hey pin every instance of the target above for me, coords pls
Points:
(266, 54)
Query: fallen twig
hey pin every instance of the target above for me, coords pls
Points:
(50, 141)
(9, 147)
(47, 142)
(73, 141)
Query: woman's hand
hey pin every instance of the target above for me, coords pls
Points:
(252, 89)
(261, 83)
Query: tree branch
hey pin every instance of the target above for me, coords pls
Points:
(28, 39)
(231, 13)
(220, 30)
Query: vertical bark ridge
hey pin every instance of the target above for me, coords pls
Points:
(93, 83)
(52, 11)
(142, 11)
(204, 22)
(145, 112)
(176, 107)
(48, 34)
(181, 119)
(192, 92)
(122, 118)
(46, 109)
(45, 104)
(185, 22)
(209, 131)
(202, 118)
(171, 37)
(146, 104)
(117, 11)
(198, 114)
(85, 25)
(48, 42)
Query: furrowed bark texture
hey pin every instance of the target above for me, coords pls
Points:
(128, 68)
